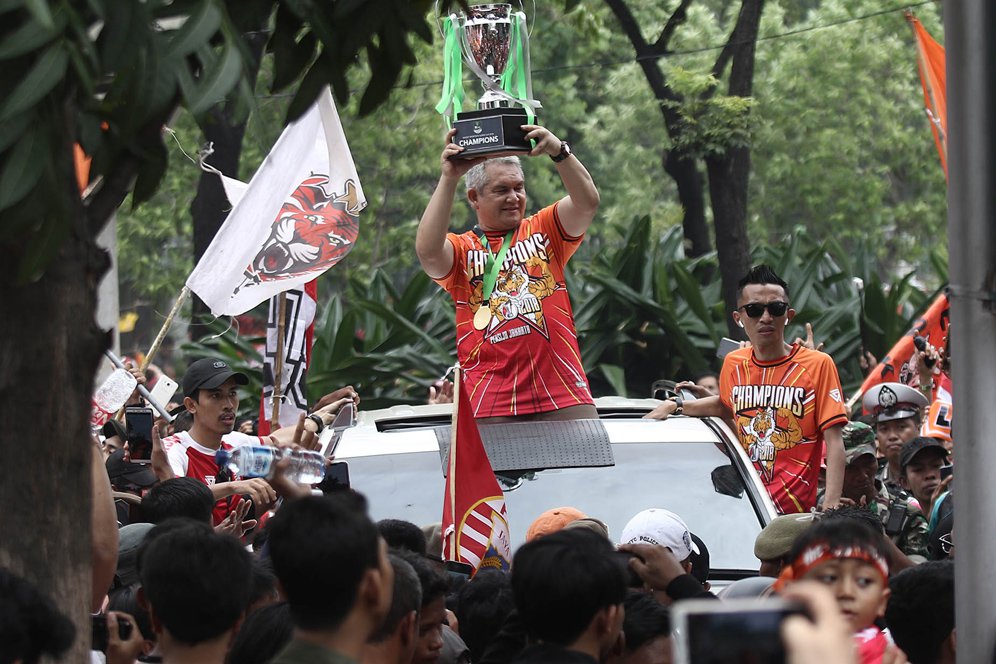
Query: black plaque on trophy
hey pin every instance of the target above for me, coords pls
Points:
(491, 131)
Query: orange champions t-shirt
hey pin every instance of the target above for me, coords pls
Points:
(781, 410)
(527, 359)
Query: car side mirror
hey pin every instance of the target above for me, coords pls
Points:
(332, 434)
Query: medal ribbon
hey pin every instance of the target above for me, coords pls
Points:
(493, 264)
(451, 101)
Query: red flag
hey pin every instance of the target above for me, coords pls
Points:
(900, 364)
(930, 60)
(475, 523)
(299, 332)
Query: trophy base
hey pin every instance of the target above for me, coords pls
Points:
(491, 132)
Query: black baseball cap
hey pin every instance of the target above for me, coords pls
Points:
(917, 445)
(209, 373)
(122, 473)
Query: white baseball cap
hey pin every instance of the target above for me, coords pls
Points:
(663, 528)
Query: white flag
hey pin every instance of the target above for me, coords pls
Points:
(297, 218)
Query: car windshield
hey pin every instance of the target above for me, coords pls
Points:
(694, 480)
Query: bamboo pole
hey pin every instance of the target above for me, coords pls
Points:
(181, 298)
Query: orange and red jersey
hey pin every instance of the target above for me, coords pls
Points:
(780, 410)
(527, 359)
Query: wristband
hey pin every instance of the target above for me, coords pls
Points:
(319, 422)
(679, 403)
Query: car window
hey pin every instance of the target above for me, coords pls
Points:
(681, 477)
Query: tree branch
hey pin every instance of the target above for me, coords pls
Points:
(677, 18)
(628, 23)
(102, 203)
(743, 36)
(646, 56)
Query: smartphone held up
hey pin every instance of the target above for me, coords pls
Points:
(138, 434)
(733, 631)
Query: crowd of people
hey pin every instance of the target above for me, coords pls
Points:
(192, 563)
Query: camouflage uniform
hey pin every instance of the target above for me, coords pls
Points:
(859, 440)
(912, 539)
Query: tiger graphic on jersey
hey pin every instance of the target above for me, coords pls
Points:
(526, 360)
(781, 410)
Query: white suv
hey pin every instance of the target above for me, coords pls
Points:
(693, 467)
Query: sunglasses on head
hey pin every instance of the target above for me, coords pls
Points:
(756, 309)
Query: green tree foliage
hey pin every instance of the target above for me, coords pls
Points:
(842, 146)
(842, 161)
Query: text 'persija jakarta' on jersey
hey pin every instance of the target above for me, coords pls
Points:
(780, 410)
(526, 360)
(188, 458)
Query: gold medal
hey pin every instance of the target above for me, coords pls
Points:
(483, 317)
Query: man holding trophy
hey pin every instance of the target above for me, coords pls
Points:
(515, 330)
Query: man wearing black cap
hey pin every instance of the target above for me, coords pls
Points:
(210, 389)
(921, 460)
(896, 408)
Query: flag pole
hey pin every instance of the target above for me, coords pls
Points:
(278, 362)
(451, 473)
(181, 298)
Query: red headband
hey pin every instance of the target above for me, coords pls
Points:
(821, 552)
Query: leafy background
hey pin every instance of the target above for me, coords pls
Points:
(845, 183)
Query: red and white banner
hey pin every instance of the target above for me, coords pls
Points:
(475, 523)
(299, 332)
(899, 366)
(297, 217)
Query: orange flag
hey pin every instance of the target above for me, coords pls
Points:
(899, 366)
(475, 523)
(930, 59)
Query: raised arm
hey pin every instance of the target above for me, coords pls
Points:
(433, 251)
(578, 207)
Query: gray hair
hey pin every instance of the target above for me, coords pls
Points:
(407, 597)
(477, 177)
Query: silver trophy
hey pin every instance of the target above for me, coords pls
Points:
(494, 44)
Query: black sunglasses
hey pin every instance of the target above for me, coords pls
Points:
(756, 309)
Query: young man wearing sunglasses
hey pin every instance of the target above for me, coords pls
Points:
(785, 400)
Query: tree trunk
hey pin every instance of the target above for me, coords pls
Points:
(682, 167)
(728, 194)
(49, 351)
(210, 206)
(684, 170)
(729, 172)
